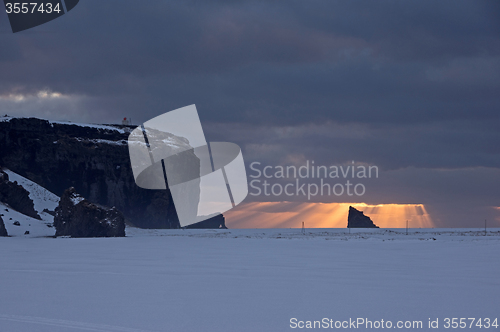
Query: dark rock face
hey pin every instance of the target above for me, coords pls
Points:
(16, 196)
(94, 160)
(3, 230)
(159, 212)
(217, 221)
(357, 219)
(77, 217)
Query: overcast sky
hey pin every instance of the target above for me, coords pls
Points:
(412, 87)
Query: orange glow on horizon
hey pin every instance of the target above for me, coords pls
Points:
(324, 215)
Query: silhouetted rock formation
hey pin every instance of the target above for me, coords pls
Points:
(357, 219)
(77, 217)
(161, 211)
(16, 196)
(92, 158)
(3, 230)
(217, 221)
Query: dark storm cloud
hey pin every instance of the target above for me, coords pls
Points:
(258, 61)
(421, 31)
(442, 145)
(407, 86)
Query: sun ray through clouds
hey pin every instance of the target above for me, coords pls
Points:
(324, 215)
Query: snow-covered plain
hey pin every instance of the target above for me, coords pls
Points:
(246, 280)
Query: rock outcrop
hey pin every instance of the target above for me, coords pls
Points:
(217, 221)
(3, 230)
(77, 217)
(94, 159)
(357, 219)
(16, 196)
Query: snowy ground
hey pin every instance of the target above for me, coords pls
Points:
(246, 280)
(42, 199)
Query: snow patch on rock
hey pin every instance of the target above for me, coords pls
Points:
(41, 197)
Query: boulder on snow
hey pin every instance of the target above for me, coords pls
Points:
(16, 196)
(77, 217)
(357, 219)
(3, 230)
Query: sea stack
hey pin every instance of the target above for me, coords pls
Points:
(357, 219)
(77, 217)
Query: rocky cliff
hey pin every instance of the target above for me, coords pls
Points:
(217, 221)
(16, 196)
(93, 159)
(357, 219)
(77, 217)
